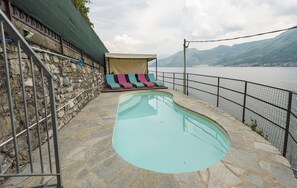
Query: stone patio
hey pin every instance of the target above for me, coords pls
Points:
(89, 160)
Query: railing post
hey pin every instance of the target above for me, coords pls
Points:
(156, 67)
(185, 65)
(244, 102)
(187, 83)
(173, 81)
(163, 76)
(36, 115)
(218, 92)
(287, 123)
(9, 97)
(25, 105)
(55, 130)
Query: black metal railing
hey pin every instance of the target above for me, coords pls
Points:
(274, 109)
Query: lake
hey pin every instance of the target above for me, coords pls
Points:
(283, 77)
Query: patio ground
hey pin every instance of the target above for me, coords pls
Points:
(89, 160)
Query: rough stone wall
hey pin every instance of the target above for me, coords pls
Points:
(70, 80)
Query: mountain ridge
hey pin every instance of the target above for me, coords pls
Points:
(278, 51)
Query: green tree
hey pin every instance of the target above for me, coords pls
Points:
(81, 6)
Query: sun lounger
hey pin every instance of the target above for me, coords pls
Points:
(143, 80)
(123, 81)
(152, 79)
(111, 82)
(133, 81)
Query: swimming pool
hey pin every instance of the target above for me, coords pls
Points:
(154, 133)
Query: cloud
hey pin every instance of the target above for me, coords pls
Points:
(159, 26)
(122, 43)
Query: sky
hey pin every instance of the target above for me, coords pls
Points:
(160, 26)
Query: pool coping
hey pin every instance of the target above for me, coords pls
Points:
(89, 160)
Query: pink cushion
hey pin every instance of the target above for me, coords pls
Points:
(123, 81)
(143, 80)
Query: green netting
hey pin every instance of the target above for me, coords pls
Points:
(62, 17)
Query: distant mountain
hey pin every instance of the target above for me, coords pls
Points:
(278, 51)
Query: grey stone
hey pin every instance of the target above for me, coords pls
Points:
(108, 168)
(220, 176)
(5, 123)
(66, 81)
(283, 175)
(144, 179)
(78, 154)
(282, 160)
(204, 175)
(46, 57)
(29, 82)
(40, 55)
(12, 56)
(166, 181)
(54, 69)
(234, 169)
(91, 181)
(14, 66)
(69, 89)
(73, 66)
(266, 147)
(71, 104)
(6, 166)
(24, 56)
(190, 180)
(55, 59)
(125, 177)
(255, 180)
(61, 113)
(242, 159)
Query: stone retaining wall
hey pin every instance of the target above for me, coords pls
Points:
(70, 80)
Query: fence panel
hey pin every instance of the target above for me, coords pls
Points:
(204, 88)
(292, 140)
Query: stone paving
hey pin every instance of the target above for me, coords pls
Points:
(89, 160)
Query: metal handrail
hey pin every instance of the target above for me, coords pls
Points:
(8, 28)
(227, 78)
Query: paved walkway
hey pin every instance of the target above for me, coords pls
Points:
(88, 158)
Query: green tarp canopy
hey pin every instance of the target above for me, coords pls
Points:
(62, 17)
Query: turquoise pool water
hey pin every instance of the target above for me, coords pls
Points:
(154, 133)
